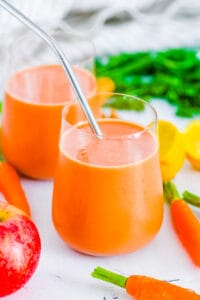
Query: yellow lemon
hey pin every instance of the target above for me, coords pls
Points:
(171, 149)
(192, 142)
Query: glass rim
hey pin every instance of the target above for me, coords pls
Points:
(148, 127)
(51, 104)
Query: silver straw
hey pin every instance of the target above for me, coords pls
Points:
(61, 57)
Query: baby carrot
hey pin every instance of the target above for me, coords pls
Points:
(185, 222)
(145, 288)
(11, 188)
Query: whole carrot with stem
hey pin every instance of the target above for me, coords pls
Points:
(185, 222)
(11, 188)
(145, 288)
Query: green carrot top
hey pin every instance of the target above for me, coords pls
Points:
(108, 276)
(170, 192)
(191, 198)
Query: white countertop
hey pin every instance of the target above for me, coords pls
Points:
(65, 274)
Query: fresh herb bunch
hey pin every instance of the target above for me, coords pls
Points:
(172, 74)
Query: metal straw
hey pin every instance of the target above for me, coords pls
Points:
(61, 57)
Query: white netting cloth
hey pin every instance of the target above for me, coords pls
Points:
(142, 24)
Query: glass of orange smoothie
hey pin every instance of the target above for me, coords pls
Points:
(36, 91)
(107, 196)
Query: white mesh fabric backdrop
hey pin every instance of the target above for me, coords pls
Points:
(89, 16)
(113, 25)
(139, 24)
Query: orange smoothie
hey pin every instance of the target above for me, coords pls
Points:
(107, 196)
(31, 120)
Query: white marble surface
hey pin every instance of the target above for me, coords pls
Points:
(65, 274)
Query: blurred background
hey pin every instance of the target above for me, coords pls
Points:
(114, 26)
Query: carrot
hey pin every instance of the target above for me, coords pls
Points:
(185, 222)
(11, 188)
(105, 84)
(145, 288)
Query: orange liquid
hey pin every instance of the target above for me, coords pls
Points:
(31, 120)
(107, 195)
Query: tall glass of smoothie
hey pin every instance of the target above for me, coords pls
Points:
(107, 196)
(37, 89)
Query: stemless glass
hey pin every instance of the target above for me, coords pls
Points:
(36, 92)
(107, 196)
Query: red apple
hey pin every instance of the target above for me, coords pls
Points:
(20, 248)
